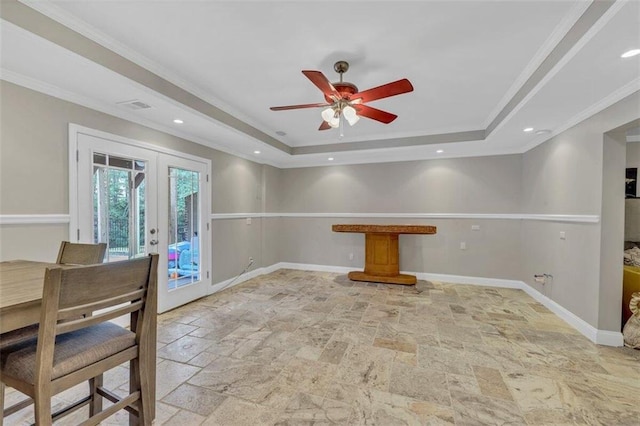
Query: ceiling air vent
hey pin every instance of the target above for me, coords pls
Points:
(134, 104)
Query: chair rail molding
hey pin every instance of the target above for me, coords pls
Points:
(33, 219)
(571, 218)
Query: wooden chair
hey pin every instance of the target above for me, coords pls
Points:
(70, 349)
(81, 254)
(70, 254)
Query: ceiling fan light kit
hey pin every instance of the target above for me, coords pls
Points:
(343, 100)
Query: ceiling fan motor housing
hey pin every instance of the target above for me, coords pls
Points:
(345, 89)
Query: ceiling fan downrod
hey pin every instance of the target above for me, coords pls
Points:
(341, 67)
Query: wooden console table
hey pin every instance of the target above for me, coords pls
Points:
(381, 251)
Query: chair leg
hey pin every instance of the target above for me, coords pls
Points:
(1, 403)
(138, 382)
(95, 406)
(42, 406)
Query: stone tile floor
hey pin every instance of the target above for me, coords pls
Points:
(302, 348)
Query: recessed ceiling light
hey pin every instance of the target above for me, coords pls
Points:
(630, 53)
(330, 158)
(178, 121)
(256, 152)
(543, 132)
(528, 129)
(440, 151)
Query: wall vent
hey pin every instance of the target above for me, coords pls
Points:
(134, 104)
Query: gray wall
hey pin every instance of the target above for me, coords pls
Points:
(465, 185)
(612, 235)
(566, 175)
(633, 154)
(577, 172)
(34, 178)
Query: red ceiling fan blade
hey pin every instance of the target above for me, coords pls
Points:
(322, 83)
(375, 114)
(324, 126)
(390, 89)
(282, 108)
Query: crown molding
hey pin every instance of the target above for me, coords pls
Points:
(65, 95)
(82, 30)
(59, 15)
(609, 12)
(547, 47)
(626, 90)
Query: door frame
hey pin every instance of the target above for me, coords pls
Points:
(76, 130)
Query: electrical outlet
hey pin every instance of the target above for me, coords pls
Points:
(350, 256)
(248, 221)
(475, 227)
(463, 246)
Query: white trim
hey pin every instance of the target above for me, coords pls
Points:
(568, 56)
(558, 33)
(217, 216)
(25, 219)
(313, 267)
(75, 129)
(72, 153)
(33, 219)
(601, 337)
(538, 217)
(609, 338)
(72, 22)
(242, 278)
(461, 279)
(65, 95)
(624, 91)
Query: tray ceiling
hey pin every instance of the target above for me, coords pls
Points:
(482, 70)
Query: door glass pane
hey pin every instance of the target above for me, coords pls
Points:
(184, 244)
(119, 206)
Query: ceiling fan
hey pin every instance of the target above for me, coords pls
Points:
(344, 99)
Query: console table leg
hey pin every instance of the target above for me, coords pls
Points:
(382, 261)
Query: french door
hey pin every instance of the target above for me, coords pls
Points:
(139, 200)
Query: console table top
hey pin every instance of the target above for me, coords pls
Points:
(385, 229)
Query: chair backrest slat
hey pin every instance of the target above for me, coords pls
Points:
(72, 289)
(67, 326)
(81, 254)
(96, 284)
(77, 311)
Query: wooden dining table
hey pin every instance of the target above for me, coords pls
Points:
(21, 283)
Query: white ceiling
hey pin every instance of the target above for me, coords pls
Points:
(469, 63)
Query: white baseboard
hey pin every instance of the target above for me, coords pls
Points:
(462, 279)
(312, 267)
(232, 282)
(609, 338)
(601, 337)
